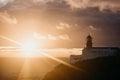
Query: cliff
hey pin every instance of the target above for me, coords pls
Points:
(105, 68)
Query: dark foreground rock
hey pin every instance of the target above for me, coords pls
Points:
(107, 68)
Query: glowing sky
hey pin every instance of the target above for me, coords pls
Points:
(60, 23)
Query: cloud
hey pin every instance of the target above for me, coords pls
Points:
(58, 37)
(37, 36)
(41, 1)
(5, 2)
(34, 4)
(102, 4)
(64, 37)
(113, 5)
(63, 26)
(51, 37)
(20, 4)
(94, 28)
(6, 18)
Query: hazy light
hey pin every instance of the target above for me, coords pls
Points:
(29, 48)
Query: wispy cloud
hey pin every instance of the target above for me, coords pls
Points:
(94, 28)
(63, 26)
(102, 4)
(51, 37)
(59, 37)
(7, 18)
(64, 37)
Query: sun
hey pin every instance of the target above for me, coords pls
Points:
(29, 48)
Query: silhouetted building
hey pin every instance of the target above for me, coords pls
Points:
(89, 41)
(90, 52)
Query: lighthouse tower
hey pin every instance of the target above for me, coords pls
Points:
(89, 41)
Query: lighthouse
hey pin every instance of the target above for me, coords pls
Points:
(90, 52)
(89, 41)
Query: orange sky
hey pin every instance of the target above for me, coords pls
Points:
(60, 23)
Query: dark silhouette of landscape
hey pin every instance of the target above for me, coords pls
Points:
(104, 68)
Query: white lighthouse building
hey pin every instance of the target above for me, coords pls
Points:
(90, 52)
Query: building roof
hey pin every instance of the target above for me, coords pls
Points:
(103, 48)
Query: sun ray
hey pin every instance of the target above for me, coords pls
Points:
(25, 71)
(62, 62)
(11, 40)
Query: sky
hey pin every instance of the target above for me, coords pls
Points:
(60, 23)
